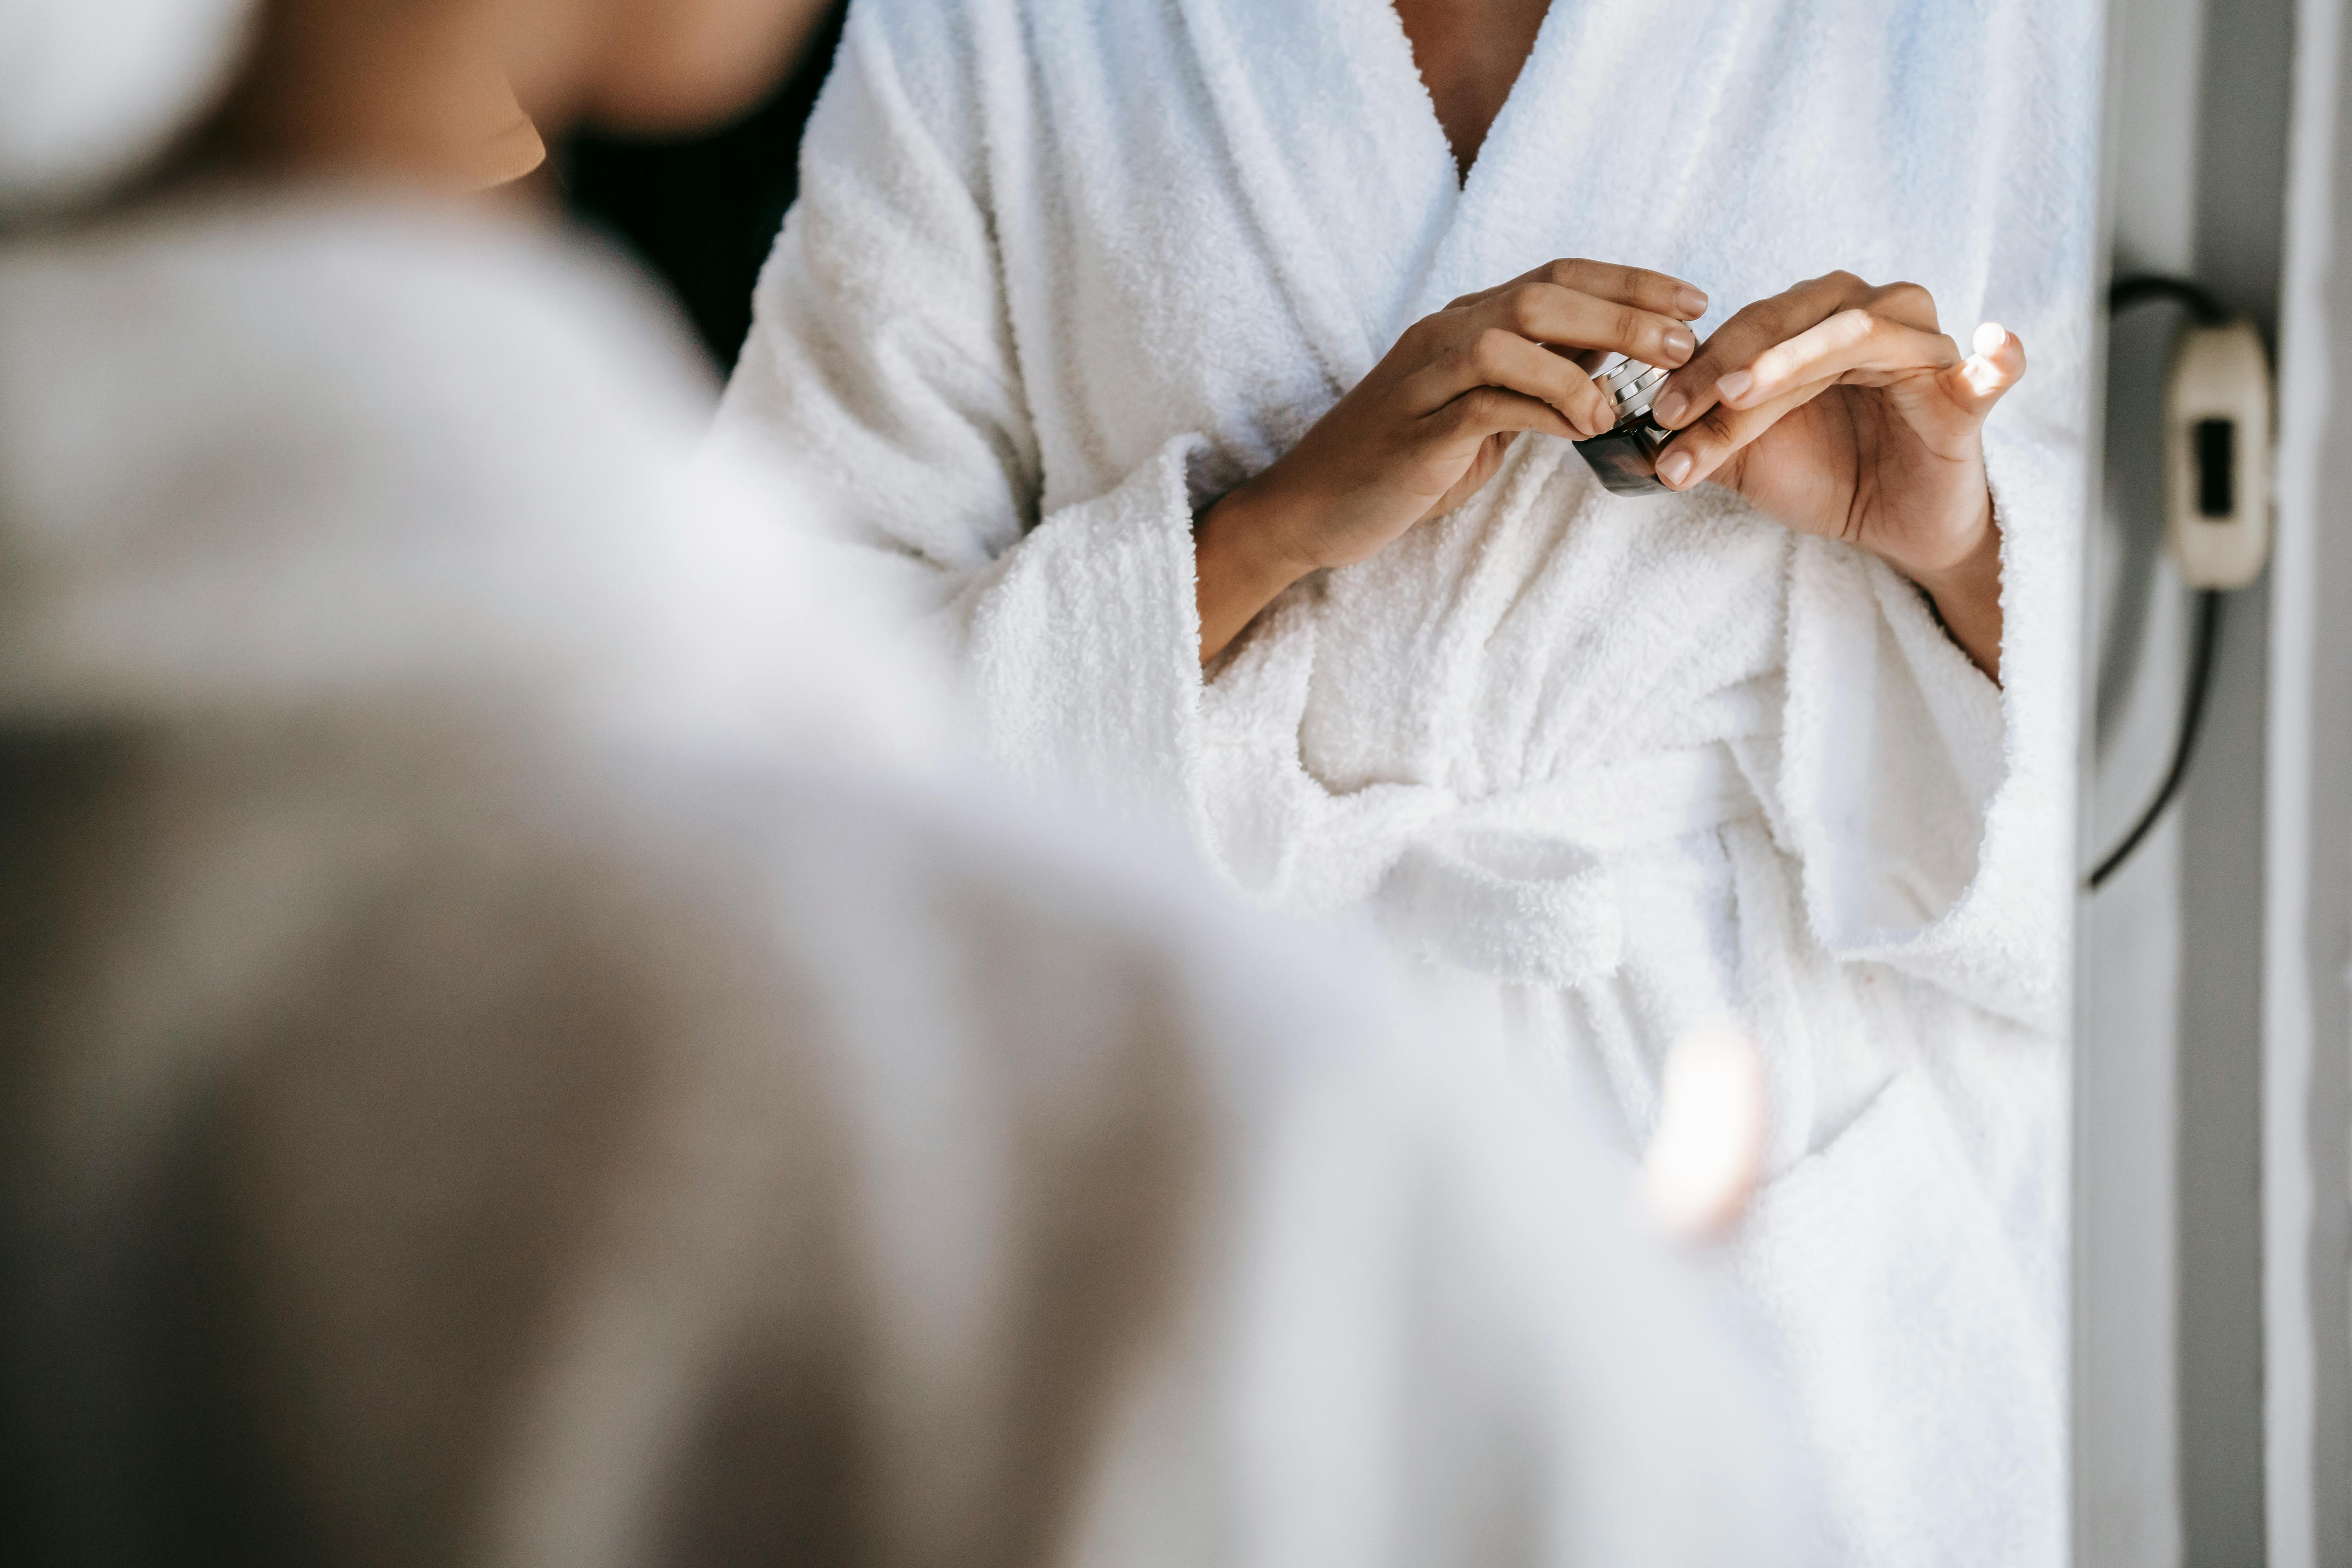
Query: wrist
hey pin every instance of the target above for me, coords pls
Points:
(1967, 574)
(1240, 540)
(1966, 595)
(1239, 567)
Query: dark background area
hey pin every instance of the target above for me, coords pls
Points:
(703, 211)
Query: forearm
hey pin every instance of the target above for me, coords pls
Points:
(1967, 597)
(1236, 574)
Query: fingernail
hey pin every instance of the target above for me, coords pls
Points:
(1730, 387)
(1675, 468)
(1680, 345)
(1668, 409)
(1689, 303)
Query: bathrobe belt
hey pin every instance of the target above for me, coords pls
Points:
(1520, 886)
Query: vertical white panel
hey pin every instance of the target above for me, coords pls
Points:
(2306, 1347)
(2127, 1322)
(2154, 117)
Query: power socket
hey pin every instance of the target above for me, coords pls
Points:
(2218, 456)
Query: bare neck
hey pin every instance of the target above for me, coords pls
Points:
(404, 90)
(1470, 52)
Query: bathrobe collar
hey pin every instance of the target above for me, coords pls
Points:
(1340, 156)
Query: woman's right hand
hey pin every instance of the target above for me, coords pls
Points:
(1430, 425)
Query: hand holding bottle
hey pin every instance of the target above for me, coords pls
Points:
(1430, 425)
(1841, 409)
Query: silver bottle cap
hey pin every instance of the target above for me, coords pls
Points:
(1631, 387)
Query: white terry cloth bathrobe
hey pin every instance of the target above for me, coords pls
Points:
(1062, 270)
(522, 1048)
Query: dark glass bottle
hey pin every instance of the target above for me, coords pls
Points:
(1626, 458)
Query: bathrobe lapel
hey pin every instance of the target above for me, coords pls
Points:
(1512, 201)
(1341, 163)
(1339, 157)
(1588, 83)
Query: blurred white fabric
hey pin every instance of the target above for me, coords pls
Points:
(516, 1010)
(92, 89)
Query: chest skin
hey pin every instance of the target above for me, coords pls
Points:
(1469, 52)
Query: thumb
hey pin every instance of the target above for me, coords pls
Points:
(1997, 363)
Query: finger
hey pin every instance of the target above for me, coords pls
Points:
(1700, 452)
(1488, 410)
(1548, 313)
(1857, 345)
(1690, 392)
(1997, 364)
(1497, 357)
(1657, 292)
(1716, 436)
(1907, 303)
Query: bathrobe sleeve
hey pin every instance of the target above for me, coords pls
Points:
(1927, 806)
(1930, 808)
(882, 358)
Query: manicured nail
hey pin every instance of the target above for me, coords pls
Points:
(1669, 408)
(1689, 303)
(1679, 344)
(1730, 387)
(1675, 468)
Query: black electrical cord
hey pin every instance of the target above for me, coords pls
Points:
(2192, 714)
(2140, 287)
(2126, 293)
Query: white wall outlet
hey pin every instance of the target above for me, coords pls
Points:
(2218, 456)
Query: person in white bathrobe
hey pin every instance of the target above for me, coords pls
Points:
(522, 1047)
(1164, 360)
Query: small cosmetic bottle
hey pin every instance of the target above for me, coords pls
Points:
(1626, 458)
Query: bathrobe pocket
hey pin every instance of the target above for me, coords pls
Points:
(1894, 1301)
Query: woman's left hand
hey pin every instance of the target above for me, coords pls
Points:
(1842, 410)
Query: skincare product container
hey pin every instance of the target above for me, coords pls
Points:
(1626, 458)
